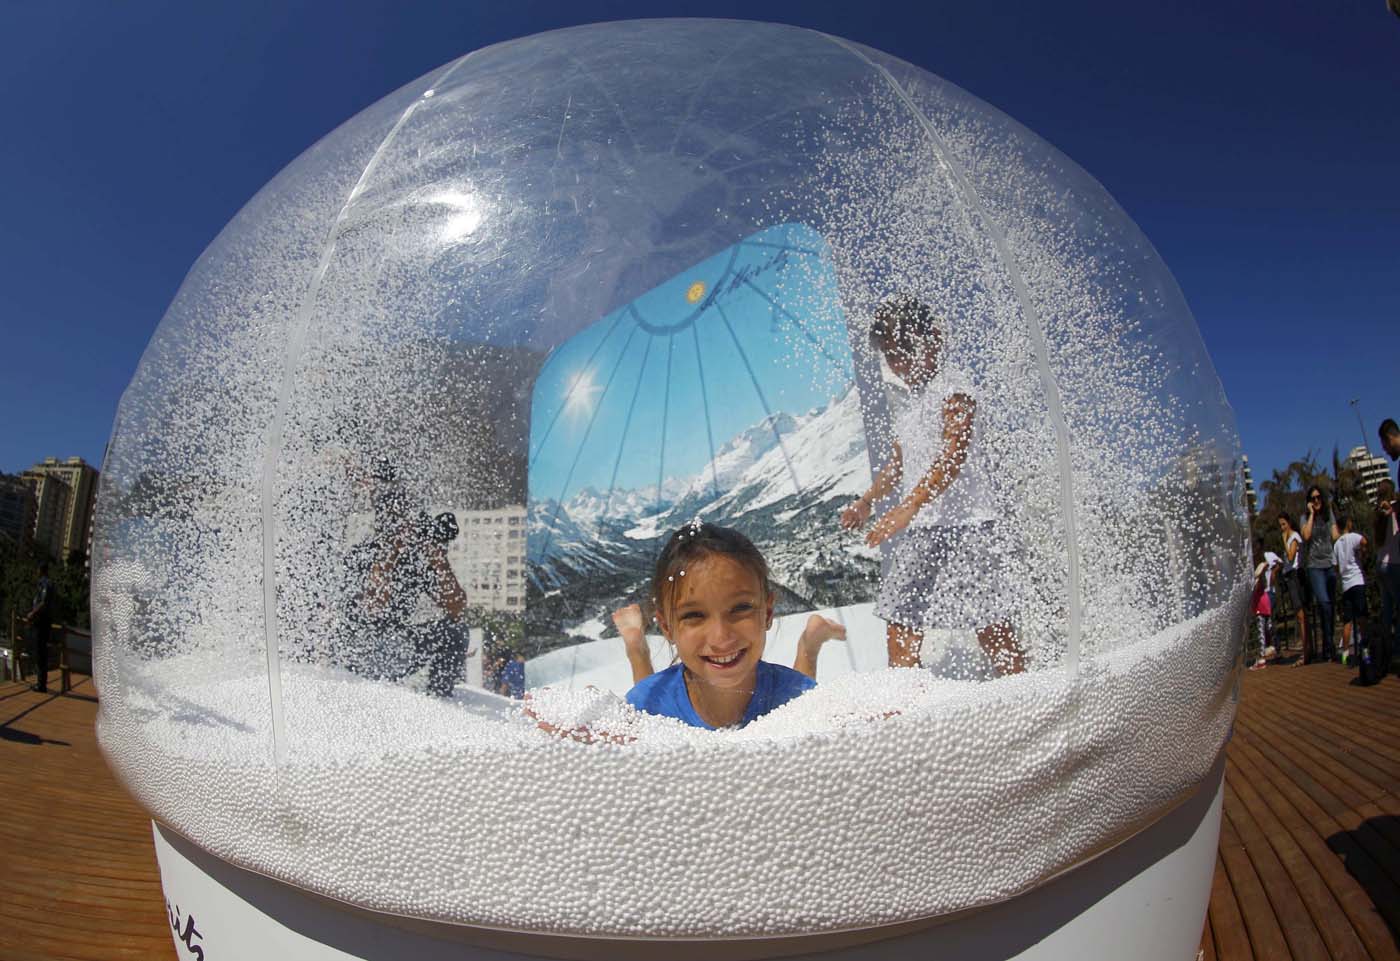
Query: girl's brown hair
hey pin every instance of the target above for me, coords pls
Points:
(692, 544)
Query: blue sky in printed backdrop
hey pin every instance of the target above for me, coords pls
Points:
(1255, 142)
(747, 333)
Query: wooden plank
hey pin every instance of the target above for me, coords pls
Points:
(1226, 922)
(1305, 823)
(75, 849)
(1306, 719)
(1304, 941)
(1349, 819)
(1310, 887)
(1266, 938)
(1338, 794)
(1206, 951)
(1349, 757)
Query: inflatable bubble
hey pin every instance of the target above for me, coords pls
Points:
(426, 410)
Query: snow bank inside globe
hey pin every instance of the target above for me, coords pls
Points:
(426, 411)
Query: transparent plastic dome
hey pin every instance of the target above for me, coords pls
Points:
(576, 290)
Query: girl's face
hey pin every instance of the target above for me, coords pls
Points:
(718, 619)
(915, 366)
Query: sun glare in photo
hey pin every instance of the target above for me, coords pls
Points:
(579, 398)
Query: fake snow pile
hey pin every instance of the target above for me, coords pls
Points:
(874, 798)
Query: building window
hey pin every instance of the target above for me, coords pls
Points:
(512, 600)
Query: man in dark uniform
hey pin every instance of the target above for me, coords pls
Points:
(404, 561)
(43, 629)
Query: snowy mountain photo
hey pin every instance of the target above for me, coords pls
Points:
(782, 481)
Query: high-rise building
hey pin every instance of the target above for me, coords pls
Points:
(64, 493)
(488, 557)
(1372, 470)
(1251, 499)
(17, 509)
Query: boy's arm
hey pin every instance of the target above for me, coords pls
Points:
(958, 413)
(885, 480)
(1332, 526)
(448, 594)
(888, 477)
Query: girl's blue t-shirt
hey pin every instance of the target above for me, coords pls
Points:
(664, 693)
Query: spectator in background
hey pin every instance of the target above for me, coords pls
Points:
(1390, 443)
(1319, 534)
(1272, 565)
(1386, 537)
(1262, 606)
(1347, 555)
(405, 561)
(1292, 578)
(513, 676)
(42, 609)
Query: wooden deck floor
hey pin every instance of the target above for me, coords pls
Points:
(1309, 863)
(78, 872)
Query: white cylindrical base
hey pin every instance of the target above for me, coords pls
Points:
(1145, 899)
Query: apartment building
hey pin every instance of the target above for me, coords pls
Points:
(64, 494)
(488, 557)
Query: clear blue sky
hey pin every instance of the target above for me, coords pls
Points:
(1256, 143)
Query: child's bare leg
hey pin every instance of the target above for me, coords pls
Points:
(904, 645)
(1303, 634)
(1000, 644)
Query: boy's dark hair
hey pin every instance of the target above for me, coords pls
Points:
(443, 528)
(1388, 428)
(904, 321)
(43, 568)
(1342, 521)
(1386, 488)
(692, 544)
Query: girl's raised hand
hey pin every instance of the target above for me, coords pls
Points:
(820, 629)
(855, 515)
(628, 621)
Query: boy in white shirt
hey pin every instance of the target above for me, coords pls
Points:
(1347, 554)
(946, 571)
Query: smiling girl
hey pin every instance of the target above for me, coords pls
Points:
(714, 604)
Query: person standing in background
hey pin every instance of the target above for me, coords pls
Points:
(42, 609)
(1293, 585)
(1319, 534)
(1390, 443)
(1348, 555)
(513, 676)
(1386, 537)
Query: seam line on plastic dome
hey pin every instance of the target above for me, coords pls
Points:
(972, 204)
(296, 341)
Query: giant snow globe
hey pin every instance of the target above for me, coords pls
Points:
(423, 417)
